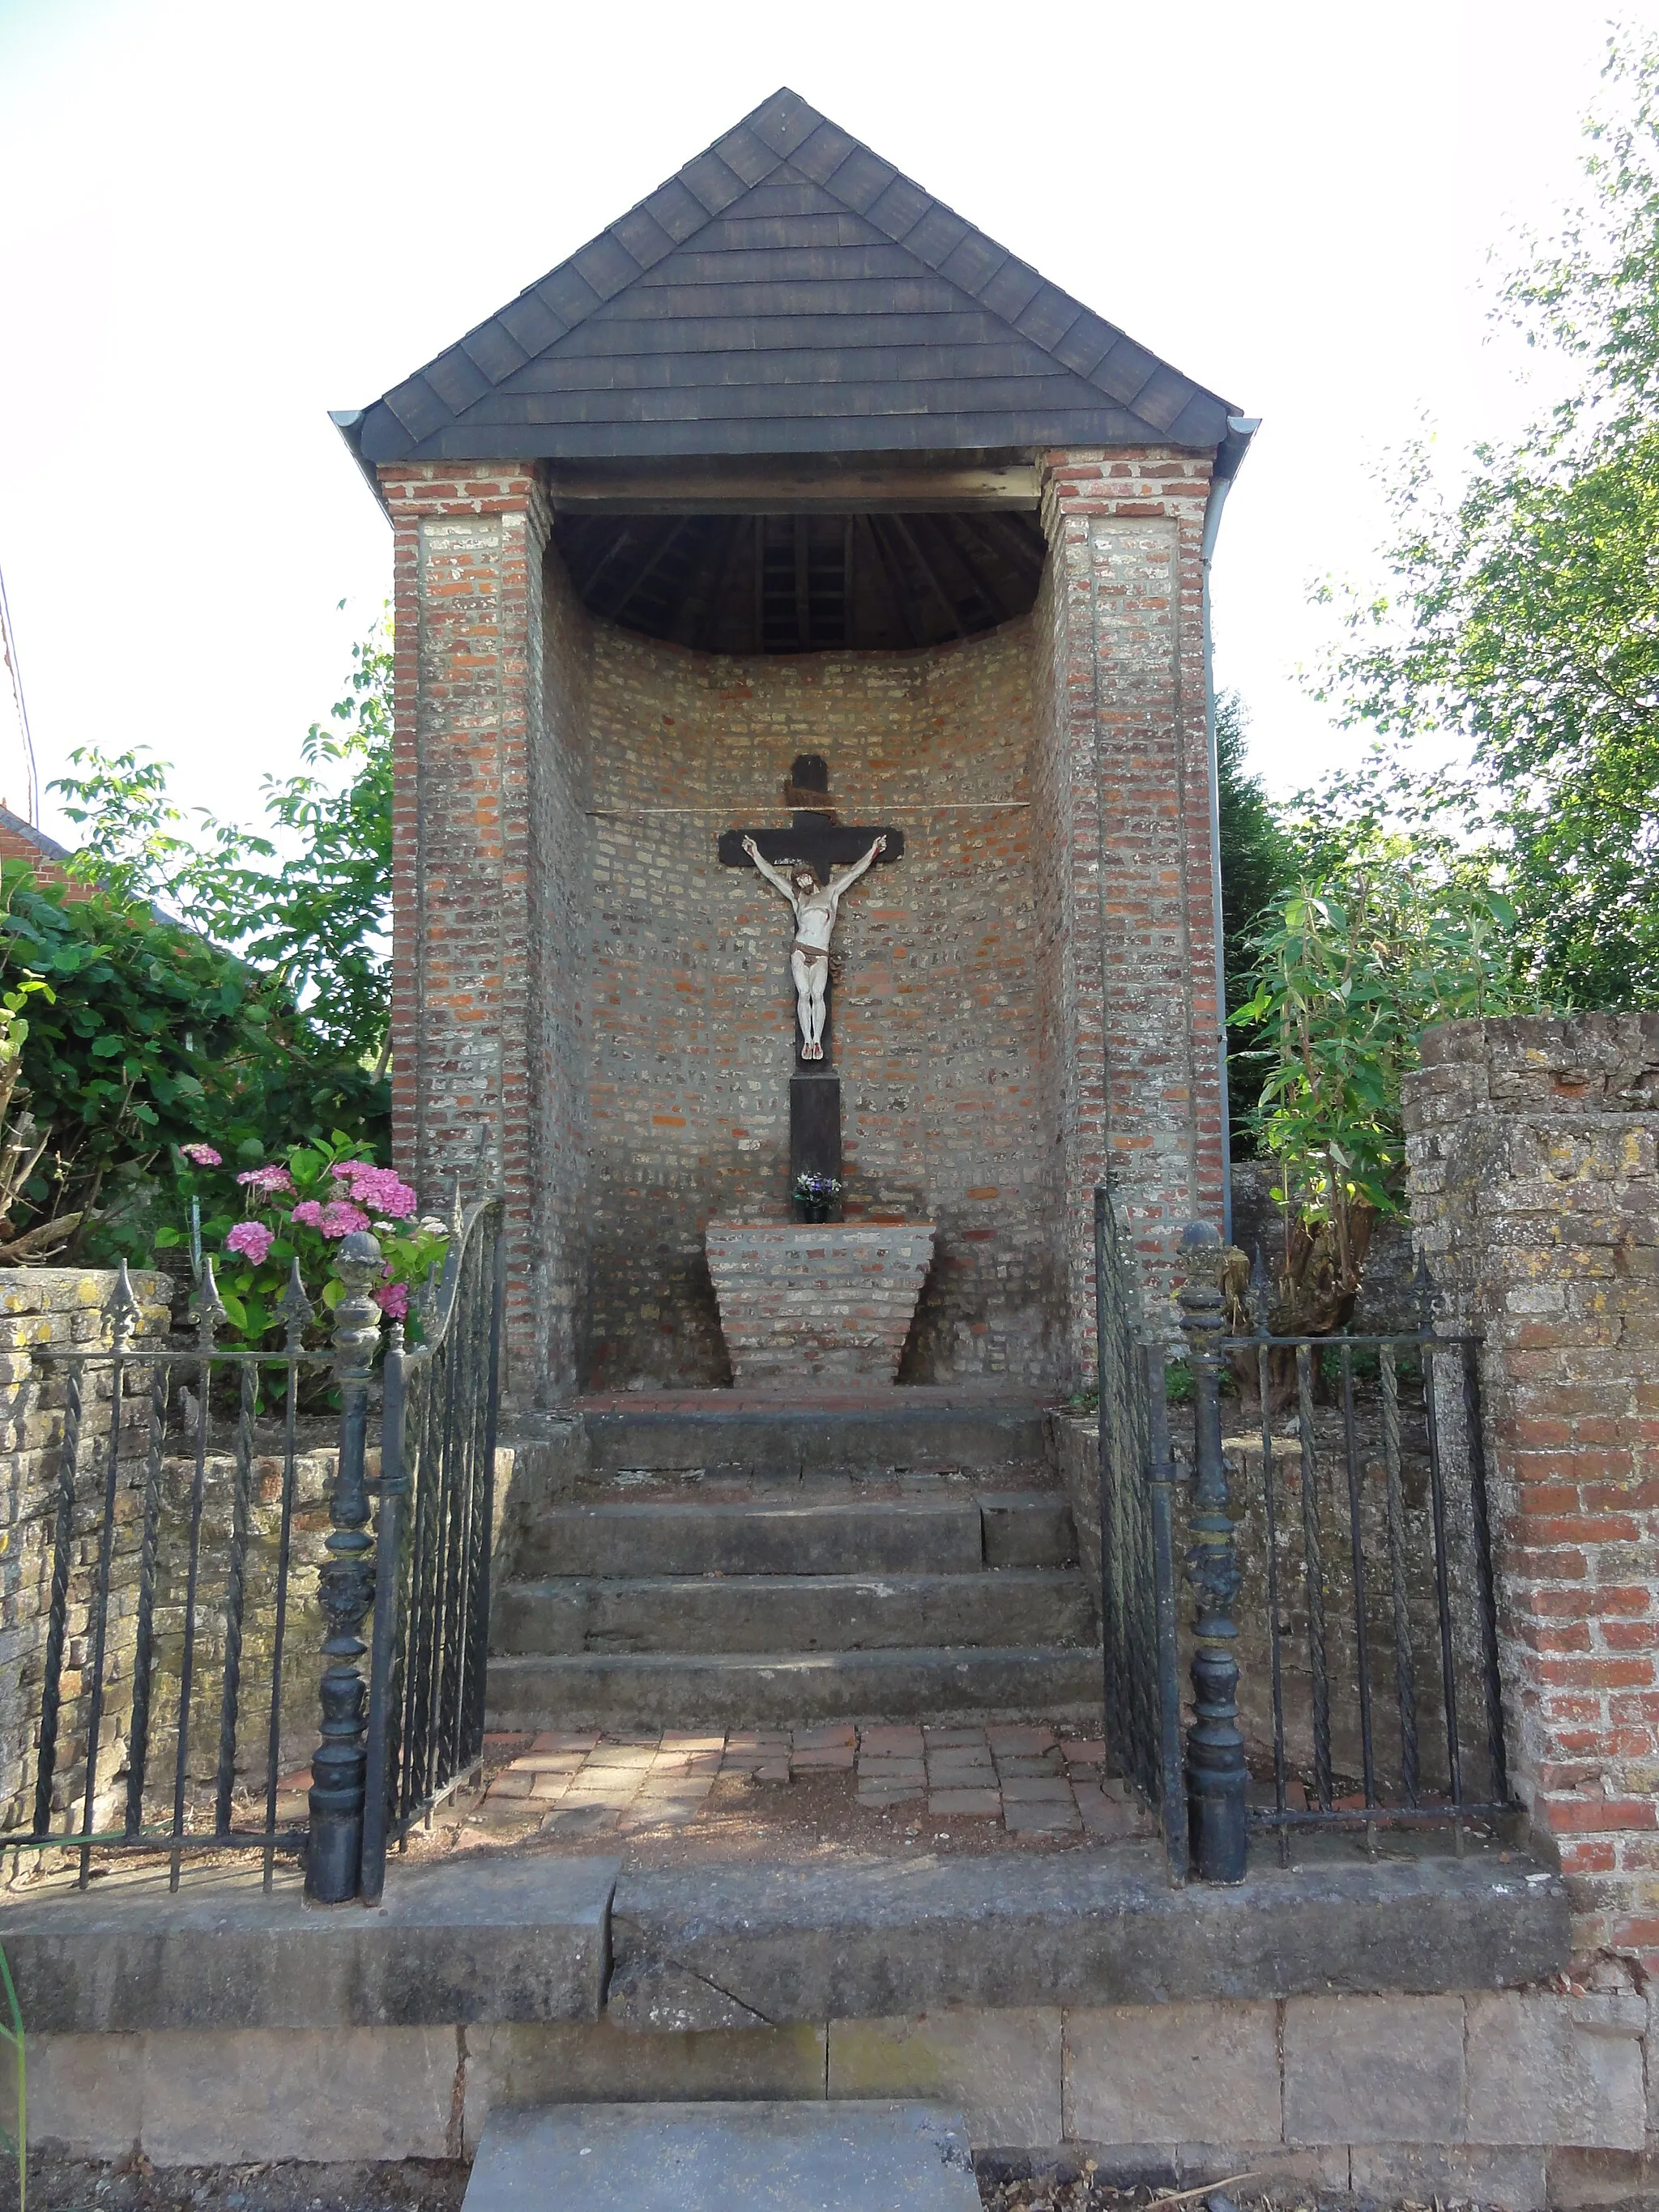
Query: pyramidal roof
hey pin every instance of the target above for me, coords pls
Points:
(787, 292)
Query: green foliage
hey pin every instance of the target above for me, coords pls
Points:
(1381, 936)
(1522, 614)
(1258, 858)
(145, 1037)
(310, 903)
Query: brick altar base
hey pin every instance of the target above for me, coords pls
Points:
(829, 1302)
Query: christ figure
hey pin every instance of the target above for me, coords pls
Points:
(815, 905)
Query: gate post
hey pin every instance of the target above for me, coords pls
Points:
(1216, 1779)
(334, 1851)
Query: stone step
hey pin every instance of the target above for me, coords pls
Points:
(800, 1612)
(849, 2156)
(957, 1535)
(999, 1437)
(632, 1689)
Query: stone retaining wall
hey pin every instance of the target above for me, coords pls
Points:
(1522, 2099)
(1534, 1150)
(831, 1302)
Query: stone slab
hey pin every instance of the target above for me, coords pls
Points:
(927, 1426)
(1374, 2069)
(904, 1936)
(257, 2093)
(665, 1689)
(478, 1939)
(1000, 2069)
(878, 1536)
(685, 2158)
(515, 2067)
(574, 1614)
(1549, 2068)
(1423, 2172)
(1174, 2073)
(1027, 1529)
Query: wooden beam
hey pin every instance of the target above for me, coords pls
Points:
(789, 487)
(897, 595)
(635, 577)
(711, 612)
(921, 561)
(760, 583)
(847, 538)
(964, 541)
(803, 586)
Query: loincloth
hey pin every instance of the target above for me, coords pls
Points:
(809, 952)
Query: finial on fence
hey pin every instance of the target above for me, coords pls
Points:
(207, 1309)
(297, 1310)
(124, 1313)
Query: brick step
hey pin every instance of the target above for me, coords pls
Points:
(957, 1535)
(739, 1614)
(629, 1690)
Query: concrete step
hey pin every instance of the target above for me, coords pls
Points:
(628, 1689)
(771, 2157)
(800, 1612)
(725, 1433)
(954, 1534)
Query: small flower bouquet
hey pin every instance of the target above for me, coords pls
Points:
(815, 1194)
(259, 1220)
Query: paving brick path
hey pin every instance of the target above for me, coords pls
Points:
(1033, 1779)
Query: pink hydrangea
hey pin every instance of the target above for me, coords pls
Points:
(266, 1182)
(337, 1218)
(392, 1299)
(251, 1239)
(202, 1156)
(381, 1188)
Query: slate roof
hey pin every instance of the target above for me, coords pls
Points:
(787, 292)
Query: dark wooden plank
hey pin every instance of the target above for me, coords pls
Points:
(977, 562)
(674, 529)
(606, 335)
(929, 568)
(793, 261)
(650, 372)
(611, 551)
(711, 612)
(766, 403)
(740, 486)
(803, 585)
(898, 598)
(760, 583)
(915, 294)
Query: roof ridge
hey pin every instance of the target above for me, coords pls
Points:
(785, 129)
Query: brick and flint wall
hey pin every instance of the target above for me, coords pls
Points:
(1023, 1002)
(1534, 1148)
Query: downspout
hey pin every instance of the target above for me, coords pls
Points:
(1241, 429)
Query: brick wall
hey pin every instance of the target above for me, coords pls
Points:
(1022, 1003)
(1534, 1148)
(934, 1025)
(1120, 787)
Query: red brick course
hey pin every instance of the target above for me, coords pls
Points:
(1535, 1160)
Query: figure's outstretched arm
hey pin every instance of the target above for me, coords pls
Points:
(845, 877)
(778, 883)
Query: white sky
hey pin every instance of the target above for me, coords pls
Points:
(222, 221)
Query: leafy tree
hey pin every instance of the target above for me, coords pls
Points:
(1381, 935)
(140, 1037)
(1522, 613)
(309, 904)
(1258, 858)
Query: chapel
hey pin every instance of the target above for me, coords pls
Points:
(793, 526)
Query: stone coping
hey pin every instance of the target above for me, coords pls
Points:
(532, 1939)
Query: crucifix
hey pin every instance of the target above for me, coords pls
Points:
(812, 864)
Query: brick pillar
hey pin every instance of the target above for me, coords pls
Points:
(1534, 1150)
(468, 600)
(1121, 822)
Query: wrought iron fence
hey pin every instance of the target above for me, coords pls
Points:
(1137, 1546)
(1343, 1637)
(433, 1550)
(212, 1567)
